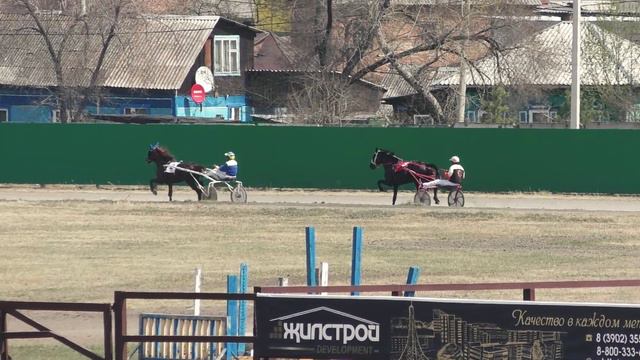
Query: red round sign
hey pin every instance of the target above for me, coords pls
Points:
(197, 93)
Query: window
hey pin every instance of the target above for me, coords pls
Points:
(234, 114)
(55, 115)
(523, 116)
(136, 111)
(471, 117)
(633, 115)
(4, 115)
(226, 54)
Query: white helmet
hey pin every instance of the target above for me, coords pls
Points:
(229, 154)
(454, 159)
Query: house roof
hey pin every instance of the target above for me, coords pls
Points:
(150, 52)
(595, 6)
(454, 2)
(397, 87)
(275, 52)
(545, 59)
(293, 71)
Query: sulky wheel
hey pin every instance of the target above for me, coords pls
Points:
(456, 198)
(422, 198)
(211, 193)
(239, 194)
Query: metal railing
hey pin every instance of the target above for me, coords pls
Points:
(13, 308)
(528, 288)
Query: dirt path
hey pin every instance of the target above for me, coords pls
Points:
(473, 200)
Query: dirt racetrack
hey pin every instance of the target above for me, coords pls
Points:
(538, 201)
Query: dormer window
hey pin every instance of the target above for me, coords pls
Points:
(226, 54)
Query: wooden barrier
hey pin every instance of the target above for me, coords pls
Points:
(164, 324)
(120, 316)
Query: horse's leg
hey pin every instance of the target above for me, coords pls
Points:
(170, 192)
(194, 185)
(435, 196)
(395, 193)
(153, 186)
(380, 182)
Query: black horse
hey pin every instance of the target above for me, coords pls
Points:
(395, 177)
(162, 157)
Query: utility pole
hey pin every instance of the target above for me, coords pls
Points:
(575, 68)
(462, 85)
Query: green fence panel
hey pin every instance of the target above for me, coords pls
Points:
(558, 160)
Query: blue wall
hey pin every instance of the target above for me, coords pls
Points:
(37, 106)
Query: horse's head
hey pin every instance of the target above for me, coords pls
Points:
(158, 155)
(383, 157)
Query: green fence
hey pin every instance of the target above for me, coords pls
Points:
(594, 161)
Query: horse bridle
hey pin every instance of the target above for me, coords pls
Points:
(375, 158)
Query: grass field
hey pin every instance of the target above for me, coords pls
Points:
(83, 251)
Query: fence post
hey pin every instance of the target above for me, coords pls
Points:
(529, 294)
(196, 302)
(120, 324)
(108, 350)
(310, 234)
(242, 312)
(412, 279)
(324, 275)
(356, 258)
(4, 344)
(232, 316)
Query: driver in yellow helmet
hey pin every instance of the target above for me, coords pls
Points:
(228, 170)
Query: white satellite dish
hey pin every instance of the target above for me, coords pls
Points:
(204, 77)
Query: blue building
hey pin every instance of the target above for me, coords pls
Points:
(148, 69)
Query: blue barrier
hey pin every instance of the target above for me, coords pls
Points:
(412, 279)
(356, 258)
(310, 238)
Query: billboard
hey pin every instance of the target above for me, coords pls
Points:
(347, 327)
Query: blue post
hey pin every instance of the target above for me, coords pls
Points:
(412, 279)
(242, 314)
(232, 316)
(310, 233)
(356, 258)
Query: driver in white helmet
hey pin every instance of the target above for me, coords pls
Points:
(228, 171)
(456, 171)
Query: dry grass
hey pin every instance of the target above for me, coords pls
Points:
(84, 251)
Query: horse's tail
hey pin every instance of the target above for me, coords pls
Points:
(435, 168)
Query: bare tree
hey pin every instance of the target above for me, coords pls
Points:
(364, 39)
(77, 45)
(612, 60)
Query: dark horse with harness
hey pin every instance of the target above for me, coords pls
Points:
(161, 157)
(398, 172)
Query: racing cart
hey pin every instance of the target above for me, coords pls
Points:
(425, 184)
(209, 189)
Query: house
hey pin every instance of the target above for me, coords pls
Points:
(148, 70)
(537, 77)
(284, 82)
